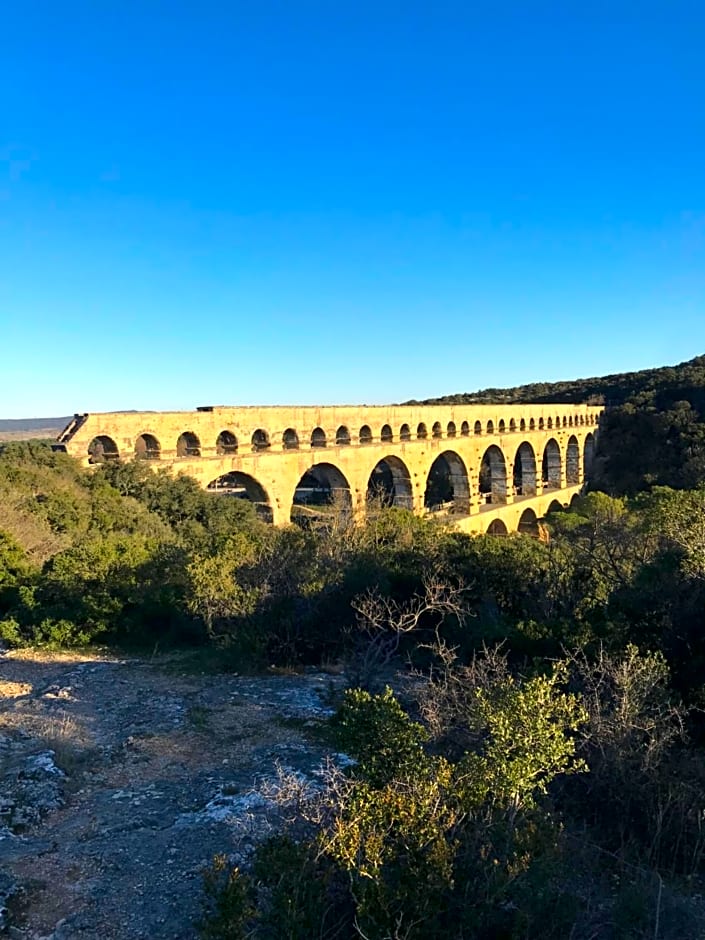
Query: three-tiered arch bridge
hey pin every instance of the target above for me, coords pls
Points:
(494, 468)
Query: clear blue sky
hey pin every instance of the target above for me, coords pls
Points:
(306, 202)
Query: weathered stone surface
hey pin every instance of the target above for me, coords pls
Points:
(159, 777)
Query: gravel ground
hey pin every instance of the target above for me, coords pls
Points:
(121, 779)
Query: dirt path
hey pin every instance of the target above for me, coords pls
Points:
(148, 780)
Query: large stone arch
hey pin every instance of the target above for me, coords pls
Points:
(188, 445)
(448, 484)
(528, 523)
(497, 527)
(588, 453)
(322, 491)
(492, 480)
(389, 483)
(551, 463)
(102, 448)
(572, 462)
(524, 478)
(147, 447)
(236, 484)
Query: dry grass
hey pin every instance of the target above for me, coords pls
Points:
(73, 747)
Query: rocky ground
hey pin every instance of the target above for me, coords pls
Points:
(120, 779)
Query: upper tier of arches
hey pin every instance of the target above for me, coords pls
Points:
(229, 441)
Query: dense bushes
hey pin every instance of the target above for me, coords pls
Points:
(139, 557)
(475, 824)
(549, 788)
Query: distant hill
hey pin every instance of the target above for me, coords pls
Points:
(22, 429)
(664, 385)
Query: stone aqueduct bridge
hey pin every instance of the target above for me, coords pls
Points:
(492, 467)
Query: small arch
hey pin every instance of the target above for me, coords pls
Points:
(502, 426)
(450, 430)
(497, 527)
(464, 429)
(389, 484)
(365, 435)
(524, 476)
(478, 428)
(260, 440)
(102, 448)
(405, 433)
(582, 420)
(551, 464)
(322, 491)
(448, 485)
(290, 439)
(437, 430)
(236, 485)
(512, 425)
(492, 483)
(188, 445)
(532, 424)
(570, 421)
(490, 427)
(572, 462)
(528, 523)
(342, 436)
(588, 453)
(147, 447)
(522, 425)
(558, 421)
(565, 421)
(554, 506)
(541, 424)
(386, 435)
(226, 443)
(421, 432)
(318, 438)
